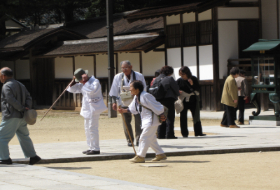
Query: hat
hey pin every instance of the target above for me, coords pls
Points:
(30, 116)
(78, 74)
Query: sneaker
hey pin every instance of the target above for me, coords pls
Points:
(8, 162)
(234, 126)
(34, 160)
(240, 123)
(137, 159)
(159, 157)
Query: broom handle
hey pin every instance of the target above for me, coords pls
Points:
(57, 100)
(128, 133)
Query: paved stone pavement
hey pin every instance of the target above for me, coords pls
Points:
(225, 140)
(25, 177)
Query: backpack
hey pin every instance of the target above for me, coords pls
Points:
(158, 90)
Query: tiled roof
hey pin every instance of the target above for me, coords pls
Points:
(25, 38)
(140, 44)
(96, 28)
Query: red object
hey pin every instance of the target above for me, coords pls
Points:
(247, 101)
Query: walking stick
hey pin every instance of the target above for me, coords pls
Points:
(128, 133)
(57, 99)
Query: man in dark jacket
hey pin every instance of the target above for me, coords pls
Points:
(15, 99)
(171, 93)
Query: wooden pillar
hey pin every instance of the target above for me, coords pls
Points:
(182, 39)
(166, 40)
(15, 73)
(94, 65)
(216, 73)
(140, 61)
(117, 63)
(197, 44)
(73, 64)
(260, 19)
(32, 77)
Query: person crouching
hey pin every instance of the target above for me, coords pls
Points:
(149, 109)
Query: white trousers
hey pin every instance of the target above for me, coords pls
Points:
(148, 139)
(92, 133)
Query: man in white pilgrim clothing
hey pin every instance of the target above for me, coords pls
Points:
(118, 90)
(92, 106)
(149, 109)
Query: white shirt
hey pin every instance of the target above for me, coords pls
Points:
(92, 103)
(117, 82)
(148, 118)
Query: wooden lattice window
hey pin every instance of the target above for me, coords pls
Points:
(205, 32)
(189, 33)
(173, 35)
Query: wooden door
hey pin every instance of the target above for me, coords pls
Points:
(248, 33)
(44, 81)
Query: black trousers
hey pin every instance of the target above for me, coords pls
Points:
(166, 129)
(241, 108)
(229, 115)
(184, 119)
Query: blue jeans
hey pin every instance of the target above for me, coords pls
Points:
(8, 129)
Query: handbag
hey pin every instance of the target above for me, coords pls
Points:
(165, 112)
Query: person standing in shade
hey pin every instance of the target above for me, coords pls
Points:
(15, 99)
(243, 93)
(151, 110)
(230, 99)
(171, 93)
(92, 106)
(189, 95)
(120, 87)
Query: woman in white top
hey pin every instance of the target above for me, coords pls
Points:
(149, 110)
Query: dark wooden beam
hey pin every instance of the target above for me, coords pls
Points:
(182, 39)
(216, 72)
(140, 61)
(277, 18)
(117, 63)
(159, 49)
(242, 4)
(260, 19)
(73, 64)
(166, 41)
(94, 65)
(197, 44)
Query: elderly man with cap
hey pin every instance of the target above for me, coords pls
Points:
(15, 101)
(120, 91)
(92, 106)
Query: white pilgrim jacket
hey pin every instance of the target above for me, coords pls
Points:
(92, 103)
(149, 118)
(117, 82)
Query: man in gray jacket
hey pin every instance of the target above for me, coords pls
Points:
(15, 99)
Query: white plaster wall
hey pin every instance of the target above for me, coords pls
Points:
(11, 24)
(22, 69)
(134, 59)
(85, 62)
(190, 59)
(238, 13)
(188, 17)
(174, 19)
(63, 68)
(228, 44)
(102, 65)
(174, 57)
(152, 61)
(269, 19)
(206, 15)
(206, 62)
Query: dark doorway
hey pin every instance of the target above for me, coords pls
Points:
(44, 81)
(248, 33)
